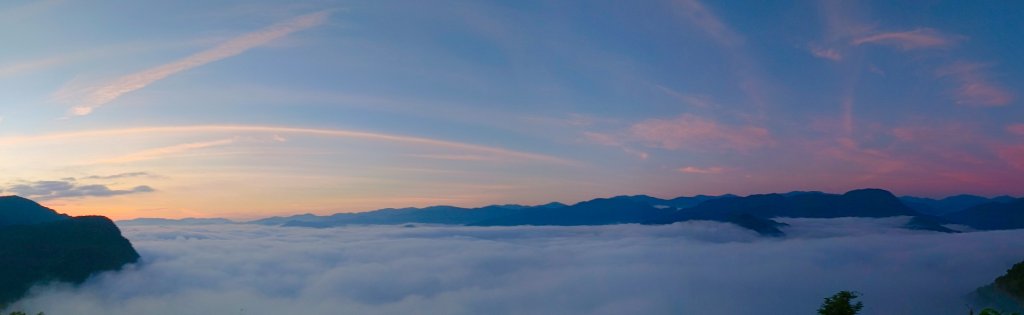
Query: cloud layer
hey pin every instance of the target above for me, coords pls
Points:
(686, 268)
(68, 188)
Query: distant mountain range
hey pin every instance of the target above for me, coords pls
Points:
(992, 216)
(944, 206)
(185, 221)
(754, 212)
(38, 245)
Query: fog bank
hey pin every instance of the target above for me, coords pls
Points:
(684, 268)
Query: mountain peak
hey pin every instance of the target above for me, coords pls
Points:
(870, 192)
(16, 210)
(40, 245)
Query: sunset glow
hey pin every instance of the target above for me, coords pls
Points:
(252, 109)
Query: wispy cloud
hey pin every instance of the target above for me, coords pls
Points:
(614, 141)
(699, 101)
(38, 64)
(120, 175)
(161, 152)
(701, 170)
(1017, 129)
(102, 95)
(746, 68)
(602, 138)
(68, 188)
(1013, 155)
(454, 157)
(288, 130)
(974, 85)
(825, 53)
(693, 132)
(909, 40)
(708, 22)
(686, 132)
(32, 65)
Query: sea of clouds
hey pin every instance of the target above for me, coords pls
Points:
(684, 268)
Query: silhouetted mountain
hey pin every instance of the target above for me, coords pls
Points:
(552, 205)
(18, 210)
(185, 221)
(940, 207)
(621, 209)
(874, 203)
(428, 215)
(1006, 293)
(652, 201)
(992, 216)
(689, 202)
(60, 248)
(676, 203)
(929, 223)
(282, 220)
(765, 227)
(753, 212)
(601, 211)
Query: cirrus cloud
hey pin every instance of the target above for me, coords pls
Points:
(693, 132)
(1017, 129)
(974, 85)
(909, 40)
(99, 96)
(68, 188)
(701, 170)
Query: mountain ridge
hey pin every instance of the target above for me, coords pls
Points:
(38, 245)
(645, 209)
(19, 210)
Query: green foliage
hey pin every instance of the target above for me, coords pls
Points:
(1013, 281)
(841, 304)
(989, 311)
(21, 313)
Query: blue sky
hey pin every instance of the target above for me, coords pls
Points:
(250, 108)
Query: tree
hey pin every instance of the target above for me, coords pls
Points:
(841, 304)
(989, 311)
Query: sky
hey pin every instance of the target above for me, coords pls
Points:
(246, 109)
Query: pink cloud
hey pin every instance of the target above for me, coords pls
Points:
(974, 87)
(700, 170)
(699, 101)
(602, 138)
(826, 53)
(983, 94)
(1017, 129)
(692, 132)
(909, 40)
(1013, 155)
(905, 134)
(614, 141)
(916, 167)
(875, 161)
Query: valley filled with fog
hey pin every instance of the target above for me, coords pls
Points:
(693, 267)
